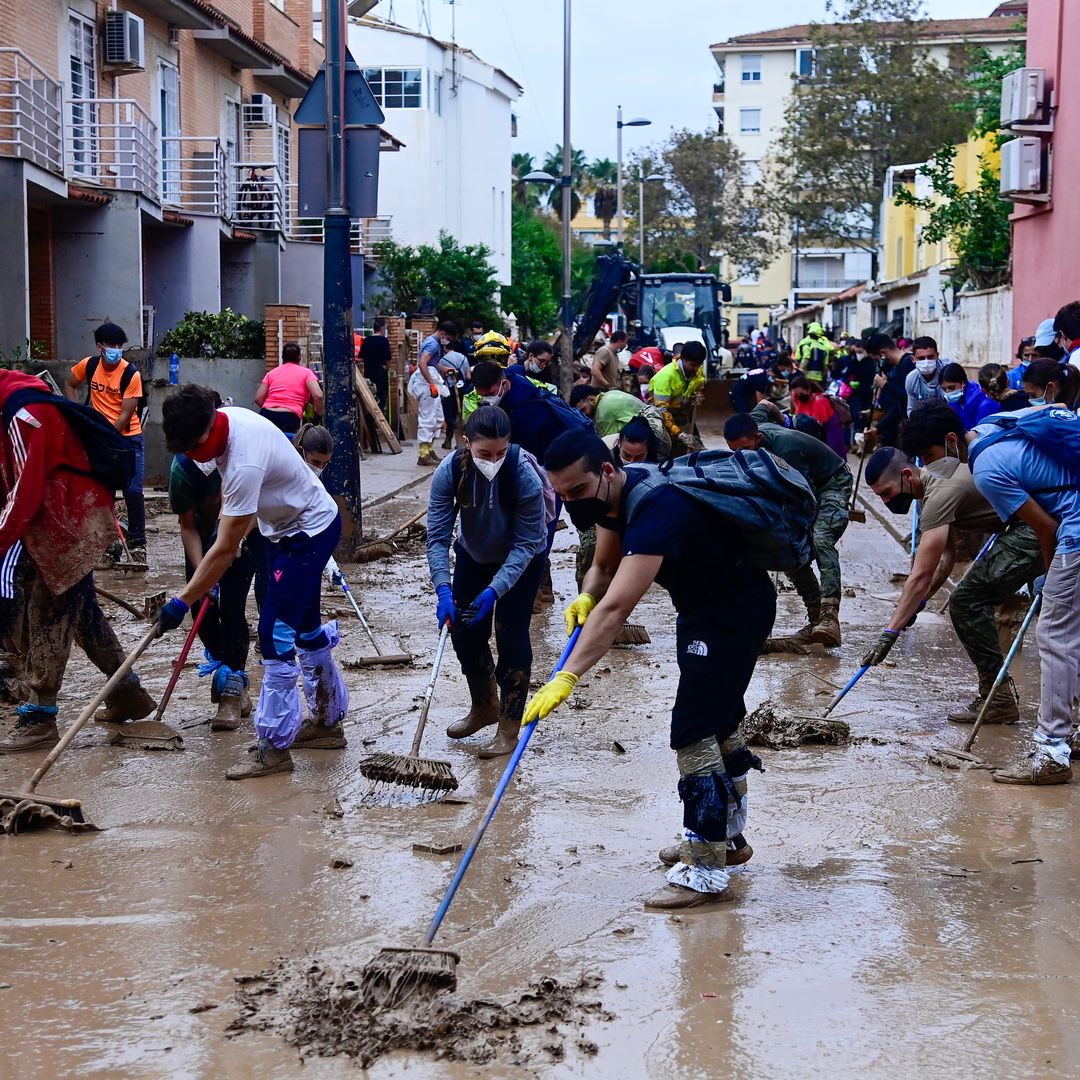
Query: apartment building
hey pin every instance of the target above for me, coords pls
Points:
(148, 165)
(455, 115)
(755, 74)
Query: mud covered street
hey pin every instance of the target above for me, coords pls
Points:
(896, 919)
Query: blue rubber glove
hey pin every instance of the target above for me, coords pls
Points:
(171, 614)
(1040, 582)
(445, 612)
(480, 608)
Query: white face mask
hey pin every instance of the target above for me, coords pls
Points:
(491, 399)
(926, 367)
(318, 471)
(532, 367)
(489, 469)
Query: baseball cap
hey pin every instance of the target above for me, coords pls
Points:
(1046, 333)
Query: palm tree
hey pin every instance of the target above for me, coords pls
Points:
(579, 180)
(525, 194)
(604, 174)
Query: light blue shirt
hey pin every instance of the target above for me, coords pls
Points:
(1011, 471)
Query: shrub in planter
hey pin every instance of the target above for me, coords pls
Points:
(212, 334)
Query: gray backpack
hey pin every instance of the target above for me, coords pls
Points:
(762, 496)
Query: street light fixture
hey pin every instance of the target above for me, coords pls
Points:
(639, 121)
(642, 181)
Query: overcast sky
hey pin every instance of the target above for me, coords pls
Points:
(651, 57)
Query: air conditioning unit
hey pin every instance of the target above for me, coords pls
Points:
(1023, 97)
(1022, 168)
(260, 111)
(124, 41)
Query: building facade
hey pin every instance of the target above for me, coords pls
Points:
(455, 115)
(755, 76)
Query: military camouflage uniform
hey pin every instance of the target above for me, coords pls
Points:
(829, 526)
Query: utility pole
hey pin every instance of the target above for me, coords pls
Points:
(566, 308)
(342, 476)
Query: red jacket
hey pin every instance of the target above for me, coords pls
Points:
(64, 519)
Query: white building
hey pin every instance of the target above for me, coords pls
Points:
(454, 113)
(756, 73)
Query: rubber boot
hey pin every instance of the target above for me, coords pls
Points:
(1003, 707)
(813, 617)
(827, 630)
(971, 713)
(512, 693)
(35, 729)
(485, 706)
(229, 703)
(129, 701)
(265, 761)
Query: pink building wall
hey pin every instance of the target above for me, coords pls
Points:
(1046, 266)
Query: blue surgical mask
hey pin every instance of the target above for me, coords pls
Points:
(954, 395)
(113, 356)
(1037, 400)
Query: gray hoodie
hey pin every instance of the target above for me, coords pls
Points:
(921, 389)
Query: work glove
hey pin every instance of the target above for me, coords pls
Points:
(1039, 583)
(697, 398)
(480, 608)
(881, 648)
(333, 572)
(911, 622)
(433, 387)
(549, 697)
(445, 612)
(171, 615)
(576, 614)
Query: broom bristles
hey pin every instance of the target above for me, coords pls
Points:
(408, 771)
(632, 634)
(397, 974)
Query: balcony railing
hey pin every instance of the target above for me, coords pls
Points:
(816, 281)
(258, 197)
(376, 230)
(310, 229)
(112, 142)
(193, 175)
(31, 113)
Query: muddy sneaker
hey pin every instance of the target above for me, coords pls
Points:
(128, 702)
(138, 554)
(1037, 768)
(736, 855)
(679, 898)
(319, 737)
(34, 730)
(265, 761)
(229, 705)
(1001, 710)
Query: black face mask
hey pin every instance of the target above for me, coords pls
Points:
(585, 513)
(900, 503)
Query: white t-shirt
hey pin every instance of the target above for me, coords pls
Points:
(262, 474)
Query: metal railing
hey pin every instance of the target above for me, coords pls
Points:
(112, 142)
(376, 230)
(31, 112)
(310, 229)
(193, 174)
(258, 196)
(810, 281)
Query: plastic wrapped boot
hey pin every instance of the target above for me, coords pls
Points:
(230, 701)
(738, 852)
(484, 712)
(277, 720)
(827, 630)
(971, 713)
(35, 729)
(513, 693)
(326, 694)
(129, 701)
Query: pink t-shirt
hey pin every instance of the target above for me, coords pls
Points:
(288, 387)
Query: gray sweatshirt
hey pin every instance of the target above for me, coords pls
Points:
(484, 531)
(920, 389)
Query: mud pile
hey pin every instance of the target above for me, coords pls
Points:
(322, 1012)
(778, 730)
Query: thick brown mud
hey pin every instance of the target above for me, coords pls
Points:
(896, 919)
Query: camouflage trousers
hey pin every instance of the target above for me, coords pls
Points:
(829, 526)
(585, 553)
(1013, 561)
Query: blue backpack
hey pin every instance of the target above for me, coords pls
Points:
(769, 502)
(1055, 431)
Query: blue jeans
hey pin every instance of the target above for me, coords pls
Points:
(290, 609)
(133, 496)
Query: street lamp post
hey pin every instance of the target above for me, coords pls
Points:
(642, 181)
(619, 125)
(566, 308)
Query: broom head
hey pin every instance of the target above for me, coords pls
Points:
(632, 634)
(857, 515)
(408, 771)
(396, 975)
(386, 659)
(21, 811)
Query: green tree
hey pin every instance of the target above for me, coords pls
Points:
(874, 98)
(459, 277)
(525, 193)
(604, 176)
(536, 271)
(580, 182)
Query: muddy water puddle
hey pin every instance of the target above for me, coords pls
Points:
(892, 921)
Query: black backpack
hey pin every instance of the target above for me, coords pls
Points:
(506, 486)
(112, 461)
(125, 381)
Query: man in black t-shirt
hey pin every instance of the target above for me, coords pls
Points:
(723, 621)
(375, 356)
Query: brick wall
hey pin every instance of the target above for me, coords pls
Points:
(295, 326)
(40, 260)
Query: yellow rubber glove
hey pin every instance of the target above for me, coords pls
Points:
(576, 614)
(550, 696)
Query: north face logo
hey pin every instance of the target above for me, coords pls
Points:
(697, 648)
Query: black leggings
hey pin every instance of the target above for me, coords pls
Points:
(282, 419)
(224, 631)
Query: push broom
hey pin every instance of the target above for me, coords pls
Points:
(380, 658)
(411, 770)
(396, 974)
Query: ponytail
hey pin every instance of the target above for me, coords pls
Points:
(1041, 373)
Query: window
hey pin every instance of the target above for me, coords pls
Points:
(282, 151)
(749, 121)
(83, 66)
(747, 322)
(396, 88)
(317, 19)
(751, 67)
(169, 123)
(231, 131)
(807, 63)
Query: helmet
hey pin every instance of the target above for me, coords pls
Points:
(492, 346)
(815, 329)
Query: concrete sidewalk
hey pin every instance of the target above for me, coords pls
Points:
(383, 476)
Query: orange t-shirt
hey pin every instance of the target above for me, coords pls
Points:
(105, 396)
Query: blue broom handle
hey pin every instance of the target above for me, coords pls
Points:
(851, 682)
(493, 805)
(987, 546)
